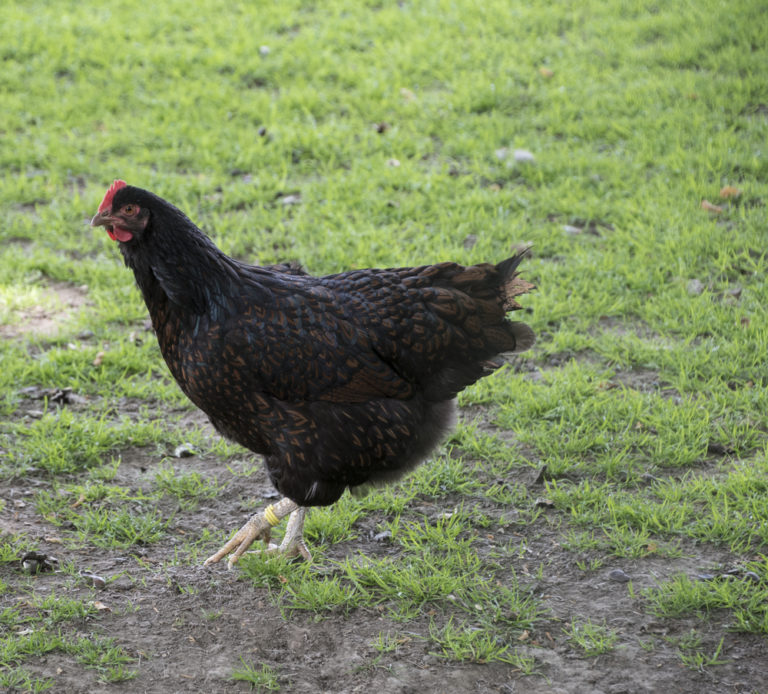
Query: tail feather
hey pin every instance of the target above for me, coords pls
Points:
(512, 285)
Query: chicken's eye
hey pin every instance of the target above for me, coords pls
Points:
(130, 210)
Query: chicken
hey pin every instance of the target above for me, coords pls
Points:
(342, 381)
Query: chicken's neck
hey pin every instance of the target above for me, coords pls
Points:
(187, 278)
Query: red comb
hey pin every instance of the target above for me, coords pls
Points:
(106, 203)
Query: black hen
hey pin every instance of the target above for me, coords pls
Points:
(338, 381)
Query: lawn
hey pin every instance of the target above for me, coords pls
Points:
(598, 522)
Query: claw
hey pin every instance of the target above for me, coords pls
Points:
(255, 528)
(259, 527)
(293, 543)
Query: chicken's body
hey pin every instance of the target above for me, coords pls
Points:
(338, 381)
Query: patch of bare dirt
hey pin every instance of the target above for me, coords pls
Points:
(60, 302)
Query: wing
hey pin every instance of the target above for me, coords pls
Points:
(304, 343)
(367, 334)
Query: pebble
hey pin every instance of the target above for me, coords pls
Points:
(37, 562)
(185, 450)
(620, 576)
(523, 155)
(94, 580)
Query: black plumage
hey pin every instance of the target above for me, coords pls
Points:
(338, 381)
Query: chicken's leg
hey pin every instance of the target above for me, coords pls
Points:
(259, 526)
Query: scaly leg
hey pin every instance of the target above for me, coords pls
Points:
(259, 526)
(293, 542)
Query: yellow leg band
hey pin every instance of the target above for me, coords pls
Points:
(269, 514)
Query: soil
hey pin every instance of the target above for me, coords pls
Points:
(189, 626)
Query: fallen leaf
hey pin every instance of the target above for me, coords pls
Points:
(79, 501)
(407, 94)
(546, 73)
(709, 207)
(729, 192)
(99, 358)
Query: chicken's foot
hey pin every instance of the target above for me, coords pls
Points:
(293, 542)
(259, 527)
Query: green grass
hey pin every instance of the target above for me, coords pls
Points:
(263, 679)
(635, 430)
(591, 639)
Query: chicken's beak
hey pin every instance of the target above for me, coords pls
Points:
(102, 219)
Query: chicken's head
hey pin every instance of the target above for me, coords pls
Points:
(121, 213)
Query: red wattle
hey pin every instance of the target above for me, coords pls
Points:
(118, 234)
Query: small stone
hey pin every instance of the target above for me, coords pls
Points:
(291, 199)
(705, 577)
(568, 229)
(264, 51)
(751, 576)
(620, 576)
(523, 155)
(94, 580)
(695, 287)
(85, 335)
(38, 562)
(185, 450)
